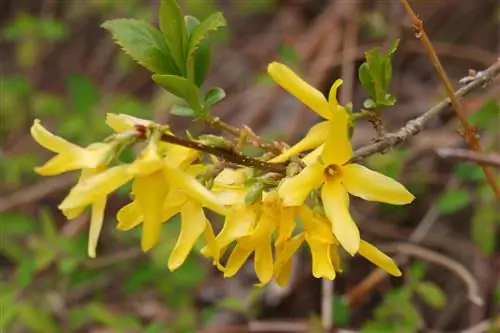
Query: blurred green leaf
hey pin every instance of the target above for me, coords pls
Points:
(17, 224)
(189, 275)
(37, 319)
(484, 226)
(212, 97)
(52, 30)
(182, 110)
(289, 55)
(25, 273)
(468, 172)
(118, 322)
(84, 94)
(211, 23)
(46, 104)
(432, 294)
(174, 31)
(144, 43)
(453, 200)
(487, 115)
(181, 88)
(417, 270)
(341, 311)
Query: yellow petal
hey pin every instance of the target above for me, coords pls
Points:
(294, 191)
(263, 260)
(263, 229)
(96, 220)
(238, 223)
(123, 122)
(286, 225)
(230, 178)
(283, 276)
(193, 223)
(336, 261)
(373, 186)
(378, 258)
(68, 161)
(129, 216)
(322, 266)
(236, 260)
(150, 192)
(318, 228)
(332, 96)
(193, 189)
(314, 137)
(77, 211)
(212, 245)
(95, 187)
(50, 141)
(337, 149)
(286, 252)
(149, 161)
(313, 156)
(299, 88)
(181, 157)
(336, 205)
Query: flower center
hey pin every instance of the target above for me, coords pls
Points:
(332, 171)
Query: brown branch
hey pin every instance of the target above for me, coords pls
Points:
(437, 258)
(415, 126)
(470, 156)
(226, 154)
(469, 132)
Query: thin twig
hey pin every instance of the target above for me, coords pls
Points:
(469, 155)
(469, 131)
(415, 126)
(437, 258)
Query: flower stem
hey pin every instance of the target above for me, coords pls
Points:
(469, 131)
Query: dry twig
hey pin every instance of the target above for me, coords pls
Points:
(469, 131)
(470, 156)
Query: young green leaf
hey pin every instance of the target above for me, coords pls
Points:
(144, 43)
(453, 200)
(431, 294)
(484, 228)
(211, 23)
(182, 110)
(213, 96)
(182, 88)
(173, 29)
(200, 61)
(366, 80)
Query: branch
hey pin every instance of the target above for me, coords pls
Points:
(470, 156)
(415, 126)
(251, 137)
(469, 131)
(437, 258)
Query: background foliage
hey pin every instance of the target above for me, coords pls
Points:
(59, 65)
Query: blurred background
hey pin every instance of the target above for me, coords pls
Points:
(58, 65)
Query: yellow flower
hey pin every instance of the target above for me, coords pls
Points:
(252, 226)
(337, 178)
(311, 97)
(324, 250)
(69, 156)
(91, 160)
(123, 122)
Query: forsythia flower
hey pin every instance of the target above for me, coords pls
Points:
(311, 97)
(324, 248)
(336, 177)
(91, 160)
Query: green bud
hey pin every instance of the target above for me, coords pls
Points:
(215, 141)
(254, 193)
(293, 169)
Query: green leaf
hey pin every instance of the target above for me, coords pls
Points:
(393, 47)
(432, 294)
(182, 110)
(417, 270)
(212, 97)
(369, 104)
(484, 227)
(366, 80)
(211, 23)
(173, 29)
(453, 200)
(341, 311)
(180, 87)
(144, 43)
(84, 94)
(202, 56)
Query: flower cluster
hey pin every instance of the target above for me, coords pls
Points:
(265, 217)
